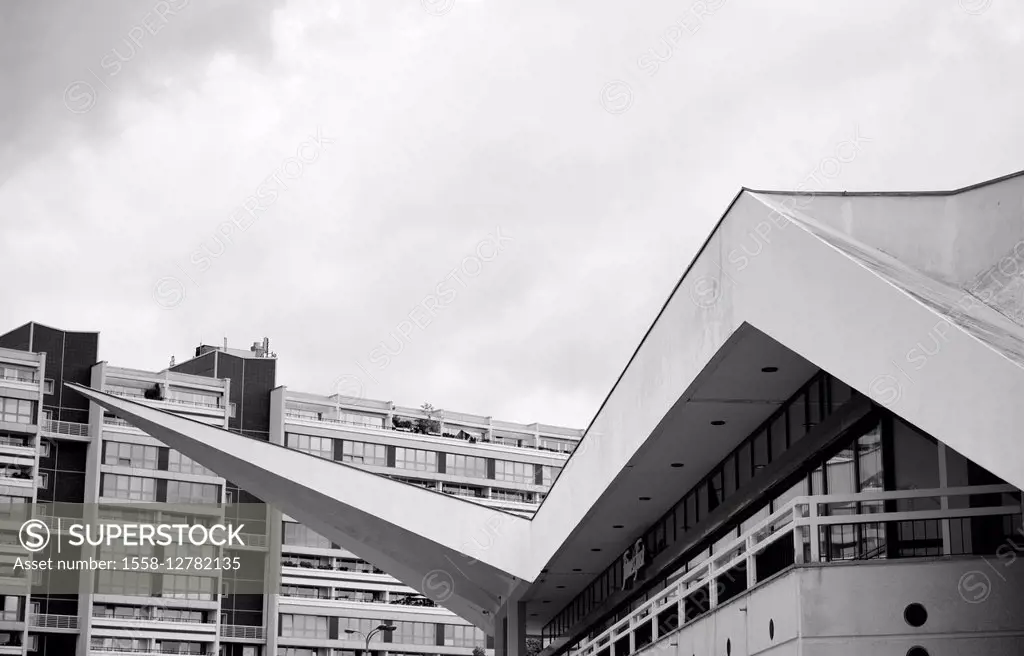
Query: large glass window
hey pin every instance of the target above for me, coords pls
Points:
(299, 535)
(179, 462)
(516, 472)
(322, 447)
(550, 474)
(468, 466)
(19, 374)
(185, 492)
(416, 459)
(414, 633)
(456, 635)
(363, 453)
(18, 411)
(134, 488)
(120, 454)
(303, 626)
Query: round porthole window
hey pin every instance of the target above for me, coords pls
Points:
(915, 615)
(771, 629)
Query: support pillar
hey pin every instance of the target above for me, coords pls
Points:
(500, 648)
(516, 629)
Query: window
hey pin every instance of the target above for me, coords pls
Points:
(44, 448)
(462, 490)
(120, 454)
(322, 447)
(468, 466)
(362, 453)
(18, 411)
(178, 462)
(128, 487)
(11, 609)
(48, 386)
(18, 374)
(302, 536)
(303, 626)
(414, 633)
(456, 635)
(550, 474)
(42, 481)
(185, 492)
(231, 410)
(416, 459)
(516, 472)
(202, 399)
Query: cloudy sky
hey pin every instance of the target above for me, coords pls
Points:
(474, 203)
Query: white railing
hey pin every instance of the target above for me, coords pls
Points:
(243, 632)
(65, 428)
(44, 621)
(799, 521)
(13, 441)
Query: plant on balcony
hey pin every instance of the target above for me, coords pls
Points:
(402, 424)
(479, 651)
(428, 425)
(533, 646)
(153, 393)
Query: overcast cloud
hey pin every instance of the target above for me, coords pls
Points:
(494, 197)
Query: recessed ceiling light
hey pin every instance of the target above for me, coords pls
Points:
(718, 422)
(595, 549)
(618, 526)
(546, 601)
(645, 498)
(543, 571)
(533, 614)
(677, 465)
(576, 569)
(560, 587)
(769, 370)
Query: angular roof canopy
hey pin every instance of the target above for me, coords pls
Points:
(915, 300)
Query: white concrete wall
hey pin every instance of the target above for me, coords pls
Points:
(857, 609)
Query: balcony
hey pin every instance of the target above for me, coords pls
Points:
(239, 632)
(62, 623)
(405, 429)
(19, 377)
(807, 530)
(55, 428)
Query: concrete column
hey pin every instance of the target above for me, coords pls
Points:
(500, 648)
(516, 629)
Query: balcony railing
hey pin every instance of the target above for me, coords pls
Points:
(804, 530)
(13, 441)
(102, 615)
(20, 378)
(44, 621)
(566, 449)
(242, 632)
(65, 428)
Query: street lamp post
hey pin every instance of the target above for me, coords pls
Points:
(379, 629)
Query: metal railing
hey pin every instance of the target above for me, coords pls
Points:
(14, 441)
(103, 615)
(243, 632)
(65, 428)
(45, 621)
(800, 521)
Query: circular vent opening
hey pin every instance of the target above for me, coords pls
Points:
(915, 615)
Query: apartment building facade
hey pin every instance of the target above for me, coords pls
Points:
(295, 593)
